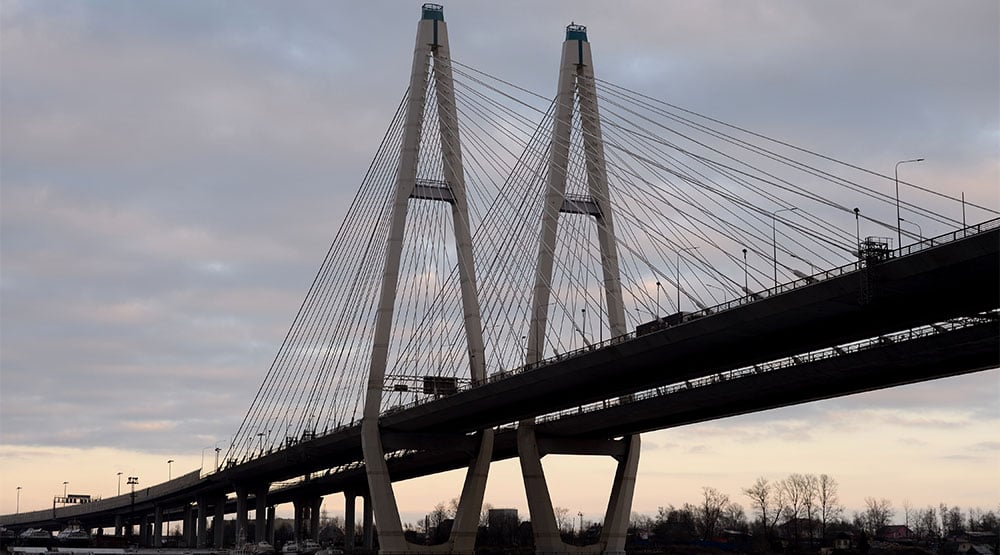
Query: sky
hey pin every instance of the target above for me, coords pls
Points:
(171, 174)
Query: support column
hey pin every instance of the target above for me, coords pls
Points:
(144, 530)
(260, 513)
(349, 521)
(119, 525)
(298, 507)
(315, 505)
(367, 530)
(269, 527)
(190, 527)
(219, 521)
(242, 515)
(202, 542)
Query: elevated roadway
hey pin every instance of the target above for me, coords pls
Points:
(934, 281)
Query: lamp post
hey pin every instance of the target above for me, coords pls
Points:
(774, 241)
(920, 230)
(119, 483)
(169, 474)
(899, 232)
(857, 231)
(583, 312)
(658, 287)
(746, 274)
(725, 296)
(682, 249)
(17, 509)
(217, 449)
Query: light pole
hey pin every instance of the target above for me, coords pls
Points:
(217, 449)
(899, 233)
(682, 249)
(857, 230)
(169, 474)
(17, 509)
(583, 312)
(774, 241)
(920, 230)
(119, 483)
(658, 287)
(746, 274)
(719, 289)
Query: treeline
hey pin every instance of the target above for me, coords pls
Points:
(801, 508)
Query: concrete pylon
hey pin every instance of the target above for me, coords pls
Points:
(576, 83)
(431, 54)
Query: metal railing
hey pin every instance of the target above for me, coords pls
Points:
(750, 298)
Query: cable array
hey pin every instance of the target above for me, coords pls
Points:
(704, 212)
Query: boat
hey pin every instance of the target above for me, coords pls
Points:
(74, 536)
(35, 537)
(263, 548)
(304, 547)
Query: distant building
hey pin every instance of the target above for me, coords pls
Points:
(895, 532)
(501, 526)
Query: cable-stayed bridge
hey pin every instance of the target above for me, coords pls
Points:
(520, 275)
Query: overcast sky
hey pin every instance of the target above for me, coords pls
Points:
(173, 172)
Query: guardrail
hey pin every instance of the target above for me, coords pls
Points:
(750, 298)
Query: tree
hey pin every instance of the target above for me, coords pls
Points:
(675, 525)
(760, 497)
(794, 489)
(878, 513)
(955, 521)
(828, 500)
(563, 521)
(735, 518)
(709, 513)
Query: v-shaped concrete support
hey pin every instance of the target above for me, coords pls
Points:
(576, 82)
(431, 53)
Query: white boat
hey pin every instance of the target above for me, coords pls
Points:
(304, 547)
(263, 548)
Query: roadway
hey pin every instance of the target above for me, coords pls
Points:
(954, 279)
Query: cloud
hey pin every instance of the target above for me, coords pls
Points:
(174, 171)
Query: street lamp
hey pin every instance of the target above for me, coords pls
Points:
(17, 509)
(899, 233)
(920, 230)
(169, 474)
(658, 309)
(217, 449)
(774, 241)
(119, 483)
(725, 296)
(746, 273)
(583, 312)
(682, 249)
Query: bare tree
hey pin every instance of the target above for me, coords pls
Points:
(760, 498)
(563, 522)
(828, 500)
(485, 514)
(878, 513)
(710, 511)
(794, 489)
